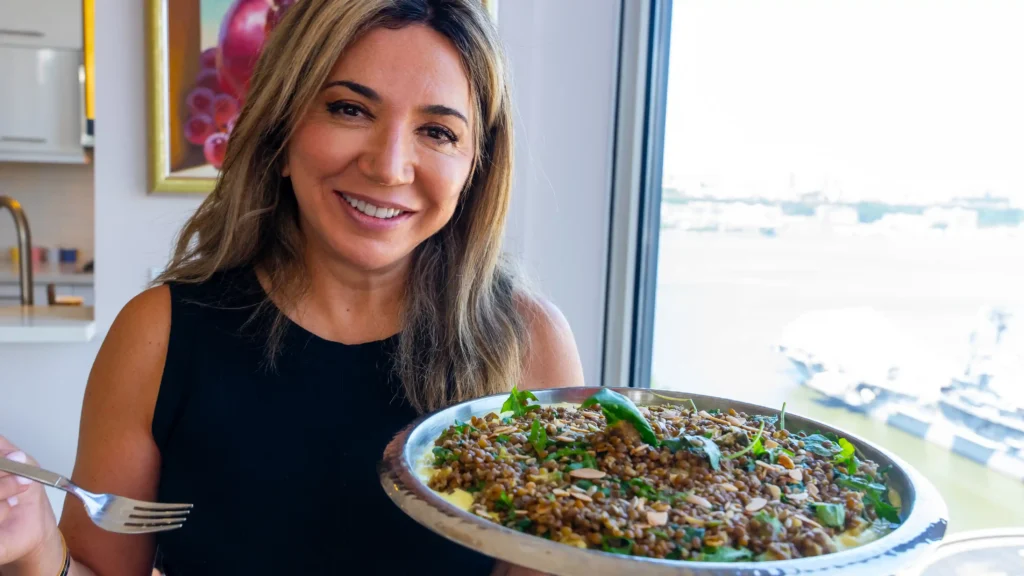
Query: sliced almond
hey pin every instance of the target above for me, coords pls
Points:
(764, 464)
(587, 474)
(669, 414)
(575, 488)
(559, 492)
(797, 497)
(581, 496)
(729, 488)
(579, 430)
(638, 449)
(796, 475)
(770, 444)
(775, 491)
(756, 504)
(521, 512)
(806, 520)
(693, 521)
(698, 501)
(564, 438)
(505, 430)
(641, 503)
(786, 462)
(657, 518)
(812, 490)
(591, 415)
(735, 421)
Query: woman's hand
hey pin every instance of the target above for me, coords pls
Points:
(29, 540)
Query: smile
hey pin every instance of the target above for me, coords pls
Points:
(370, 210)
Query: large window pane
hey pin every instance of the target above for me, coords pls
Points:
(842, 227)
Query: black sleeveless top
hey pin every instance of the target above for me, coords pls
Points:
(281, 463)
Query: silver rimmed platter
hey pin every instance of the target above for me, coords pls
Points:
(923, 512)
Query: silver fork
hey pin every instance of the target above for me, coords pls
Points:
(109, 512)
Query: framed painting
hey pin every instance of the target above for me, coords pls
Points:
(201, 55)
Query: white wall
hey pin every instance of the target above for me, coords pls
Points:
(565, 75)
(563, 57)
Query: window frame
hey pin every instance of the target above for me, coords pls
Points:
(635, 215)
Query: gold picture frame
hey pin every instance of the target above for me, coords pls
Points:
(181, 156)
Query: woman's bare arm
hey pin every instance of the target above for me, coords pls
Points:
(116, 451)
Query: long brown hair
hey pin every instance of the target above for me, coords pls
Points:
(463, 334)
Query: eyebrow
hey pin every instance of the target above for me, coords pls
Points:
(373, 96)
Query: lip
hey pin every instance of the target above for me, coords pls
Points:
(375, 201)
(369, 222)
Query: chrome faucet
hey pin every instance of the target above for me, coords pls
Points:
(24, 248)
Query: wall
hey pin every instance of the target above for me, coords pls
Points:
(58, 201)
(564, 73)
(563, 58)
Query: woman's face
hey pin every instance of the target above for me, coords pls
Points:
(379, 160)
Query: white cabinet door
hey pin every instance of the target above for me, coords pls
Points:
(41, 23)
(40, 105)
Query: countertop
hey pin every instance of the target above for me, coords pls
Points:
(61, 274)
(23, 324)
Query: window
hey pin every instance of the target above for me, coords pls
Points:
(828, 210)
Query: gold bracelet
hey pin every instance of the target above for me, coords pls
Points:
(66, 564)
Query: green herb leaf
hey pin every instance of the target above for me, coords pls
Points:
(676, 554)
(821, 445)
(617, 407)
(506, 501)
(875, 495)
(773, 420)
(523, 524)
(715, 412)
(756, 442)
(709, 434)
(538, 437)
(643, 489)
(690, 400)
(857, 483)
(617, 545)
(461, 427)
(503, 438)
(846, 456)
(833, 515)
(689, 533)
(726, 554)
(443, 455)
(476, 487)
(768, 519)
(659, 534)
(782, 417)
(585, 484)
(704, 447)
(507, 420)
(883, 509)
(518, 402)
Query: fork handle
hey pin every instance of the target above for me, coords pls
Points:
(33, 473)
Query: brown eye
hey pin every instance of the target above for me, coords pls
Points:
(441, 134)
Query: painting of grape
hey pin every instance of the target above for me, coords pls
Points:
(204, 55)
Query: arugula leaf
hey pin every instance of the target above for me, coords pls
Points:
(768, 519)
(642, 488)
(587, 461)
(875, 495)
(857, 483)
(617, 407)
(833, 515)
(773, 420)
(461, 427)
(699, 445)
(756, 443)
(846, 456)
(519, 402)
(585, 484)
(726, 554)
(538, 437)
(443, 455)
(782, 417)
(523, 524)
(503, 438)
(617, 545)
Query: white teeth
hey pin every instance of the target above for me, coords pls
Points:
(371, 210)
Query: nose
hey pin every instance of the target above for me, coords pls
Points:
(388, 160)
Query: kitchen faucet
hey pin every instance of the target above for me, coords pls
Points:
(24, 248)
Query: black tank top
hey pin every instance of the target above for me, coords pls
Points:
(281, 463)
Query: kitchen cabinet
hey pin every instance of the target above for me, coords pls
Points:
(53, 24)
(41, 114)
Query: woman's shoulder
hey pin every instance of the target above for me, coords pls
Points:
(552, 359)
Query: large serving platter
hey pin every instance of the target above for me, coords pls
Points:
(924, 513)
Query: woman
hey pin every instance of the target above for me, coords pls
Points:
(344, 276)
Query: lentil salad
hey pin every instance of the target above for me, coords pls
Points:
(667, 481)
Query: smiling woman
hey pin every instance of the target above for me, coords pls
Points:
(345, 275)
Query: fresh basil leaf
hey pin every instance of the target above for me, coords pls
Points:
(617, 407)
(704, 447)
(709, 434)
(846, 455)
(461, 427)
(883, 509)
(617, 545)
(857, 483)
(505, 500)
(643, 489)
(523, 524)
(726, 554)
(833, 515)
(503, 438)
(538, 437)
(518, 402)
(772, 420)
(585, 484)
(769, 520)
(715, 412)
(821, 445)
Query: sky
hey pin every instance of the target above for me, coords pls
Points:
(898, 100)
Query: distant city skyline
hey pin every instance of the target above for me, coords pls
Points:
(909, 102)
